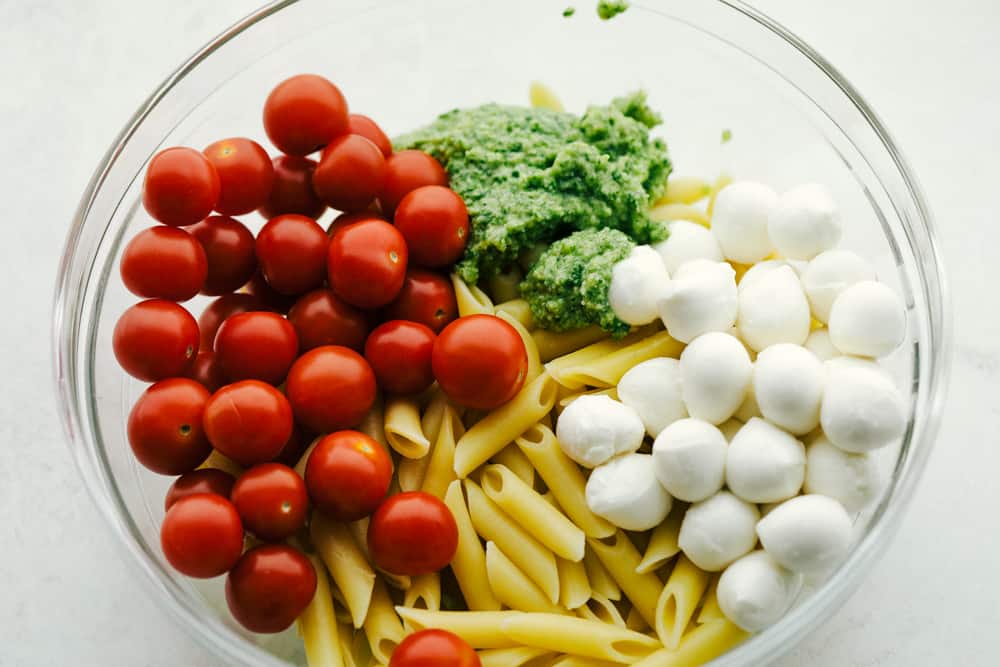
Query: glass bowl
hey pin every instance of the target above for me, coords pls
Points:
(708, 66)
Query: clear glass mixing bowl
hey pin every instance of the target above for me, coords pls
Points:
(708, 65)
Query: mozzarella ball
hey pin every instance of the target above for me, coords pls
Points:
(637, 284)
(715, 374)
(788, 385)
(754, 592)
(761, 269)
(805, 222)
(700, 298)
(739, 221)
(773, 310)
(730, 428)
(807, 534)
(625, 492)
(748, 408)
(687, 241)
(718, 530)
(689, 458)
(867, 319)
(851, 479)
(830, 273)
(764, 463)
(862, 408)
(653, 390)
(592, 429)
(819, 343)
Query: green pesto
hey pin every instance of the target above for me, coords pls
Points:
(608, 9)
(567, 288)
(569, 11)
(530, 176)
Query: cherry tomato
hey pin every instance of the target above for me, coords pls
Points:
(345, 219)
(348, 475)
(435, 223)
(206, 372)
(248, 421)
(292, 190)
(201, 535)
(270, 587)
(204, 480)
(221, 309)
(406, 171)
(350, 173)
(181, 187)
(366, 263)
(400, 356)
(271, 500)
(165, 263)
(228, 245)
(427, 298)
(304, 113)
(155, 339)
(369, 129)
(257, 345)
(320, 318)
(330, 388)
(411, 534)
(292, 253)
(269, 297)
(245, 174)
(480, 361)
(434, 648)
(165, 427)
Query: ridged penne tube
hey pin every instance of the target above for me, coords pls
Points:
(671, 212)
(506, 286)
(678, 601)
(512, 457)
(501, 426)
(348, 567)
(554, 344)
(663, 541)
(220, 461)
(373, 424)
(402, 427)
(530, 511)
(512, 586)
(382, 626)
(699, 646)
(581, 661)
(722, 181)
(519, 656)
(620, 558)
(410, 472)
(574, 588)
(635, 621)
(600, 608)
(606, 371)
(519, 310)
(469, 561)
(430, 420)
(424, 592)
(441, 464)
(578, 636)
(534, 363)
(471, 300)
(685, 190)
(480, 628)
(318, 624)
(542, 97)
(710, 610)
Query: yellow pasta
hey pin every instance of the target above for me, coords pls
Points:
(340, 608)
(584, 355)
(685, 190)
(600, 581)
(441, 463)
(620, 558)
(553, 344)
(345, 639)
(382, 626)
(600, 608)
(574, 588)
(471, 300)
(221, 462)
(402, 427)
(318, 624)
(373, 424)
(710, 609)
(607, 370)
(469, 562)
(581, 661)
(704, 643)
(542, 97)
(430, 421)
(410, 472)
(577, 636)
(424, 592)
(511, 586)
(534, 363)
(512, 457)
(678, 601)
(663, 541)
(519, 310)
(519, 656)
(348, 566)
(506, 286)
(671, 212)
(480, 628)
(635, 621)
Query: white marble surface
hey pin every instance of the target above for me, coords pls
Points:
(73, 71)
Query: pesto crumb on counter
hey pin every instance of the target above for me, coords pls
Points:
(608, 9)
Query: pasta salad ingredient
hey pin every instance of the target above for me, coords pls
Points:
(765, 464)
(203, 480)
(788, 385)
(321, 318)
(435, 223)
(701, 298)
(434, 648)
(412, 534)
(350, 173)
(229, 252)
(773, 309)
(425, 297)
(245, 174)
(366, 127)
(867, 319)
(851, 479)
(718, 530)
(405, 171)
(715, 375)
(637, 284)
(304, 113)
(181, 187)
(625, 491)
(480, 361)
(256, 346)
(740, 221)
(689, 459)
(348, 474)
(248, 421)
(165, 427)
(330, 388)
(594, 428)
(291, 189)
(653, 389)
(155, 340)
(201, 535)
(805, 222)
(399, 353)
(270, 587)
(830, 273)
(366, 263)
(291, 250)
(164, 263)
(271, 501)
(755, 591)
(862, 408)
(687, 241)
(807, 534)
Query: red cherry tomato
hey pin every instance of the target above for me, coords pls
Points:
(304, 113)
(165, 263)
(202, 536)
(348, 475)
(292, 190)
(411, 534)
(165, 427)
(330, 388)
(400, 356)
(345, 219)
(406, 171)
(248, 421)
(271, 500)
(435, 224)
(434, 648)
(320, 318)
(269, 297)
(270, 587)
(155, 339)
(245, 174)
(292, 253)
(221, 309)
(366, 263)
(427, 298)
(480, 361)
(205, 480)
(349, 175)
(206, 372)
(369, 129)
(228, 245)
(257, 346)
(181, 187)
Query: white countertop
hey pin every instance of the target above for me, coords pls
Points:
(73, 73)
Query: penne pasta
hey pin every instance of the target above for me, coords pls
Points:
(620, 558)
(441, 462)
(600, 608)
(354, 577)
(635, 621)
(553, 344)
(471, 300)
(519, 310)
(519, 656)
(382, 626)
(430, 420)
(318, 624)
(577, 636)
(345, 639)
(663, 541)
(678, 601)
(410, 472)
(220, 461)
(469, 562)
(702, 644)
(542, 97)
(675, 211)
(402, 427)
(424, 592)
(710, 610)
(512, 587)
(581, 661)
(512, 457)
(574, 588)
(607, 370)
(685, 190)
(480, 628)
(506, 286)
(340, 608)
(534, 363)
(373, 424)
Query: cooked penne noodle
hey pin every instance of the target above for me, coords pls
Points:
(704, 643)
(534, 363)
(600, 580)
(345, 639)
(441, 464)
(577, 636)
(410, 472)
(559, 366)
(606, 371)
(424, 592)
(635, 621)
(359, 530)
(340, 608)
(469, 562)
(354, 577)
(373, 424)
(542, 97)
(512, 457)
(553, 344)
(710, 610)
(620, 557)
(678, 601)
(685, 190)
(471, 300)
(382, 626)
(480, 628)
(430, 420)
(519, 656)
(318, 624)
(600, 608)
(663, 541)
(512, 587)
(722, 181)
(506, 286)
(220, 461)
(671, 212)
(581, 661)
(574, 588)
(519, 310)
(402, 427)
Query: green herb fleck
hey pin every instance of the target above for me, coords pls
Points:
(727, 134)
(569, 11)
(608, 9)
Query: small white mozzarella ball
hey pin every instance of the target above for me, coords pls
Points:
(761, 269)
(592, 429)
(867, 319)
(754, 592)
(851, 479)
(819, 343)
(715, 374)
(805, 222)
(748, 408)
(687, 241)
(739, 221)
(653, 390)
(637, 284)
(700, 298)
(807, 534)
(862, 408)
(625, 492)
(717, 531)
(774, 310)
(788, 385)
(730, 428)
(764, 463)
(689, 458)
(830, 273)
